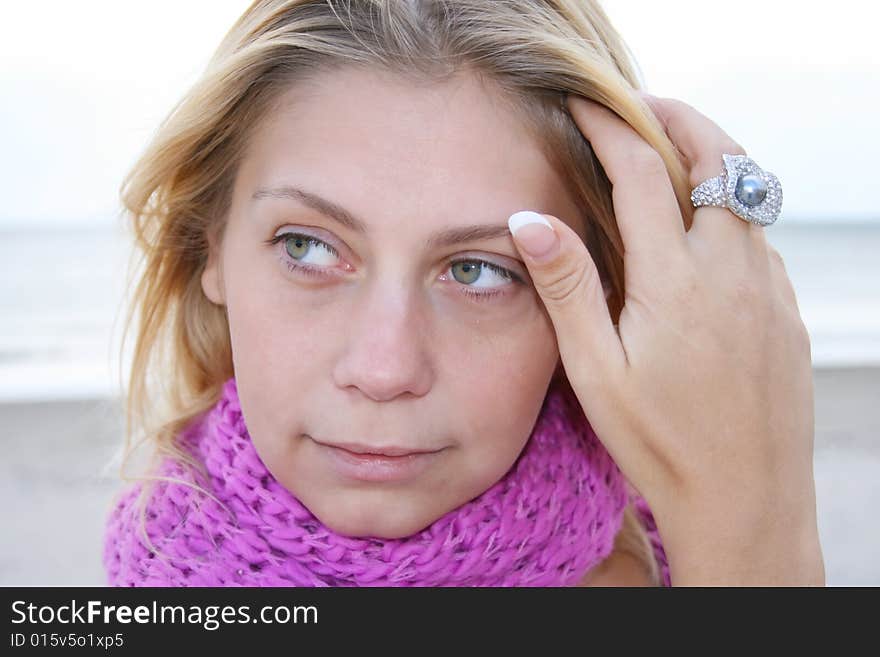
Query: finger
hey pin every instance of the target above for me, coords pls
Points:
(702, 142)
(781, 281)
(568, 283)
(645, 205)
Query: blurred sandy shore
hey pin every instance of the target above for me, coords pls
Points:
(57, 487)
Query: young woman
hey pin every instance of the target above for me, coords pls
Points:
(363, 359)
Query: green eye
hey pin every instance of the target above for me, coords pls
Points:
(485, 274)
(467, 271)
(297, 245)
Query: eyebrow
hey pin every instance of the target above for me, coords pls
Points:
(328, 208)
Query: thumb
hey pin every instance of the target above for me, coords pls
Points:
(568, 283)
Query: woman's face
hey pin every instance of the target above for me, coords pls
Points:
(375, 296)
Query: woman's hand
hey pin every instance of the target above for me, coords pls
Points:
(703, 395)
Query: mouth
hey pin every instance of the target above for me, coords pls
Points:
(368, 463)
(388, 451)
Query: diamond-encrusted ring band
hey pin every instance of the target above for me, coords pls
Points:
(744, 188)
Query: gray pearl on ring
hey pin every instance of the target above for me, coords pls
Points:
(751, 189)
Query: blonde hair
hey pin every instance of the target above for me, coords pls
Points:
(177, 194)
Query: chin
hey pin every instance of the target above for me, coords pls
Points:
(365, 521)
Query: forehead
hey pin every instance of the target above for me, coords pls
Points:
(388, 147)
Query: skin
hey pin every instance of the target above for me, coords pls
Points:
(618, 569)
(385, 348)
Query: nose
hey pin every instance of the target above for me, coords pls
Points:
(386, 350)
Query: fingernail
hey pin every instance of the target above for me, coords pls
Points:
(529, 229)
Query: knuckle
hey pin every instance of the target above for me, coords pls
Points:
(680, 104)
(776, 257)
(687, 289)
(802, 337)
(731, 146)
(564, 282)
(686, 301)
(789, 325)
(645, 162)
(781, 278)
(747, 295)
(744, 288)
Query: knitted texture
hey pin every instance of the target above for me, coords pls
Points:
(552, 517)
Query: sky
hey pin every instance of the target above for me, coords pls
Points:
(796, 83)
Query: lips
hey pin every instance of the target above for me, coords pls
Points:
(388, 451)
(369, 463)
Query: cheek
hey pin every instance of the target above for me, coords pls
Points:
(275, 326)
(278, 334)
(498, 382)
(510, 355)
(272, 332)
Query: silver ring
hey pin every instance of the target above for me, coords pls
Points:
(744, 188)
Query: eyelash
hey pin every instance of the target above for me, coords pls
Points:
(309, 270)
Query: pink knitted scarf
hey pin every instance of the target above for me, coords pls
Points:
(552, 517)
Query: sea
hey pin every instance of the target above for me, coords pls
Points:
(63, 292)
